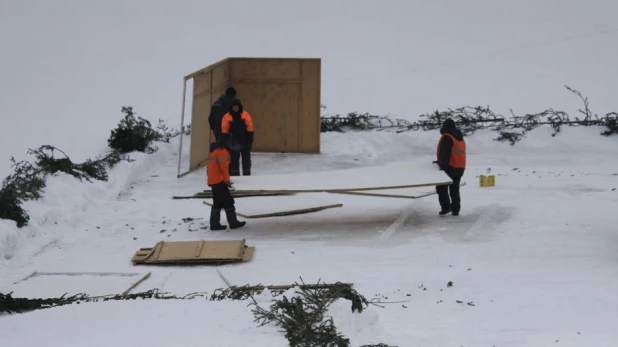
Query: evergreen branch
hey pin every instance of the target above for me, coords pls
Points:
(471, 119)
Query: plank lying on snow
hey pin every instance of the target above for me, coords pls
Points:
(194, 252)
(55, 284)
(272, 287)
(276, 206)
(406, 174)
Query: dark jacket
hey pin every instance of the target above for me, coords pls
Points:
(218, 144)
(446, 146)
(218, 110)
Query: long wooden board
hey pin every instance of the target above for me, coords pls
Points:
(55, 284)
(194, 252)
(277, 206)
(208, 195)
(399, 175)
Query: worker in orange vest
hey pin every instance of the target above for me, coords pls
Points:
(218, 180)
(237, 127)
(452, 160)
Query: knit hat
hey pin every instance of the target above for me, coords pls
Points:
(230, 91)
(448, 124)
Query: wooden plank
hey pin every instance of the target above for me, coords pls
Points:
(200, 143)
(182, 125)
(136, 284)
(309, 121)
(207, 68)
(259, 288)
(284, 213)
(183, 250)
(234, 194)
(56, 284)
(274, 206)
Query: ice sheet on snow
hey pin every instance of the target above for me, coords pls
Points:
(266, 206)
(54, 285)
(403, 174)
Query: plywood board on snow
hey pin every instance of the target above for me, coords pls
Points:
(276, 206)
(42, 285)
(408, 174)
(194, 252)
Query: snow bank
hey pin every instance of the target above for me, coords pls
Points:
(66, 202)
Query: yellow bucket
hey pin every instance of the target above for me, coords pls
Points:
(487, 181)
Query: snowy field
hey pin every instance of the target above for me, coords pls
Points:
(535, 255)
(533, 261)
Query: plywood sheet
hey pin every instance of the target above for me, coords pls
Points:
(403, 193)
(275, 113)
(199, 120)
(260, 70)
(309, 115)
(407, 174)
(274, 206)
(41, 285)
(198, 251)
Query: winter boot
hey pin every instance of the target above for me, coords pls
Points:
(443, 212)
(232, 220)
(215, 220)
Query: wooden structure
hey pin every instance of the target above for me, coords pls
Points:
(281, 94)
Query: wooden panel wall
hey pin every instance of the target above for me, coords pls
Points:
(282, 95)
(207, 86)
(310, 101)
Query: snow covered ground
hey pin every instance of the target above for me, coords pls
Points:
(535, 255)
(533, 260)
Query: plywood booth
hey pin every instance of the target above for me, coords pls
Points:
(281, 94)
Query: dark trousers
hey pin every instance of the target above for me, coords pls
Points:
(245, 153)
(454, 202)
(217, 134)
(221, 197)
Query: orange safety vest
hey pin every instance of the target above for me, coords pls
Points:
(218, 166)
(226, 121)
(458, 152)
